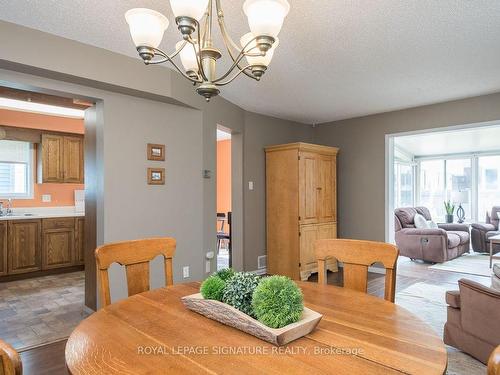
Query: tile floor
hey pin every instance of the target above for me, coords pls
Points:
(41, 310)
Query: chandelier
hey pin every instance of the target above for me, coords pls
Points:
(196, 50)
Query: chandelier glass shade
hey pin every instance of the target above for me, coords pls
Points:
(196, 51)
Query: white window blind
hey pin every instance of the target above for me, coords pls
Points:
(15, 169)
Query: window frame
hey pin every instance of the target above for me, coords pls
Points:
(474, 157)
(30, 175)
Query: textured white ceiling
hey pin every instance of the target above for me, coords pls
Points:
(337, 58)
(479, 139)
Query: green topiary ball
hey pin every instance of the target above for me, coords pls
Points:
(239, 290)
(277, 301)
(226, 273)
(213, 288)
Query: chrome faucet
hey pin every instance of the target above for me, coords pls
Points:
(1, 208)
(8, 211)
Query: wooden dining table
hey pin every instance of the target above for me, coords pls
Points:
(154, 333)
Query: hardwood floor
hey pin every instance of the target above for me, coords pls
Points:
(45, 360)
(49, 359)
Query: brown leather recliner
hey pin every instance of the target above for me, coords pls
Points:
(432, 245)
(480, 233)
(473, 323)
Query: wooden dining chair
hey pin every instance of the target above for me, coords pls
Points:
(135, 256)
(357, 256)
(10, 362)
(494, 362)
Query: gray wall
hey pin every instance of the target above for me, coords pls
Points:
(361, 169)
(134, 108)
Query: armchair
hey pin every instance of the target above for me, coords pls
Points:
(432, 245)
(480, 233)
(473, 323)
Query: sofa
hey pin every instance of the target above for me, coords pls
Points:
(436, 245)
(473, 323)
(480, 233)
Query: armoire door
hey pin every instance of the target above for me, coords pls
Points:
(308, 235)
(326, 197)
(308, 188)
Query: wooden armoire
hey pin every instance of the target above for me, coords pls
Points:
(301, 199)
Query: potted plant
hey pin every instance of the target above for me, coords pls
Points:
(450, 211)
(270, 308)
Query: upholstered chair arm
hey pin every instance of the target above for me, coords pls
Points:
(423, 232)
(483, 227)
(478, 304)
(455, 227)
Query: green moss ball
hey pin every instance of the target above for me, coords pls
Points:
(213, 288)
(277, 301)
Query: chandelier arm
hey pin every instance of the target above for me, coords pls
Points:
(240, 70)
(169, 59)
(237, 61)
(228, 42)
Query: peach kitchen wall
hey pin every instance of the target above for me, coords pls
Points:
(224, 176)
(61, 194)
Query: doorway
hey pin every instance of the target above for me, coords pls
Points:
(42, 216)
(224, 198)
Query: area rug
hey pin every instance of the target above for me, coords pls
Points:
(472, 264)
(427, 301)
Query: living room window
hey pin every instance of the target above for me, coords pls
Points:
(16, 169)
(488, 183)
(445, 179)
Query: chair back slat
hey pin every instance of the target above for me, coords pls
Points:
(356, 277)
(137, 278)
(10, 361)
(357, 256)
(135, 256)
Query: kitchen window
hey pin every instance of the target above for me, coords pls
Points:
(16, 169)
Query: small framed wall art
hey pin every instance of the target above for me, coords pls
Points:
(156, 152)
(156, 176)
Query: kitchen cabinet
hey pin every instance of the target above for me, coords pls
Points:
(24, 251)
(79, 241)
(58, 242)
(61, 159)
(3, 248)
(40, 245)
(73, 159)
(301, 204)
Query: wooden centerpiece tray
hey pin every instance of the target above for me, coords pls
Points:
(230, 316)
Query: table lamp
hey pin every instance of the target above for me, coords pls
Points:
(460, 197)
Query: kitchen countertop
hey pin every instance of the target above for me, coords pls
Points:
(42, 213)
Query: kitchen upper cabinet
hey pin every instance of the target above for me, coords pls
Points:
(58, 242)
(61, 159)
(79, 241)
(24, 252)
(3, 248)
(73, 160)
(51, 158)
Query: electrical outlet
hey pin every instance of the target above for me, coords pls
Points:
(250, 185)
(208, 266)
(185, 272)
(46, 198)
